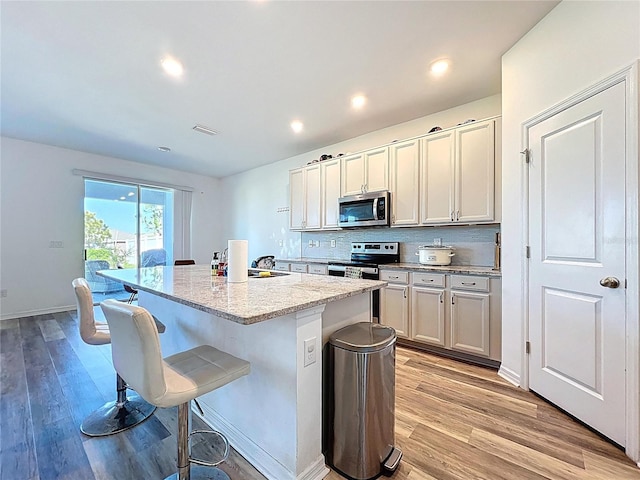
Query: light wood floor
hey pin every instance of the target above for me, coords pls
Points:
(453, 421)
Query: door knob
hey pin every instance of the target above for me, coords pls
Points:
(610, 282)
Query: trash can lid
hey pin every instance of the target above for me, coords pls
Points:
(363, 337)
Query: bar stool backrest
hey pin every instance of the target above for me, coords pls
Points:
(84, 305)
(135, 348)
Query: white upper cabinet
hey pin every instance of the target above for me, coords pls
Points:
(305, 198)
(330, 184)
(437, 169)
(475, 163)
(405, 181)
(353, 175)
(457, 175)
(365, 172)
(377, 170)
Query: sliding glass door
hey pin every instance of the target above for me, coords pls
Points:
(125, 226)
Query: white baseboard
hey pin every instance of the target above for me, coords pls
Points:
(509, 375)
(256, 456)
(31, 313)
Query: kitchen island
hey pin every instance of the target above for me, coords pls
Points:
(273, 416)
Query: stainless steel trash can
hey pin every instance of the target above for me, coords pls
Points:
(362, 360)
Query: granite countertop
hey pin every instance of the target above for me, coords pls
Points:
(462, 269)
(254, 301)
(309, 260)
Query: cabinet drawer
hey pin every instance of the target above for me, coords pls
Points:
(282, 266)
(394, 276)
(317, 269)
(428, 279)
(464, 282)
(299, 267)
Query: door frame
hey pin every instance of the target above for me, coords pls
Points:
(628, 76)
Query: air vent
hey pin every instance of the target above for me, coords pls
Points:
(203, 129)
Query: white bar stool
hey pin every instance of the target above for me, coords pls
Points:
(126, 411)
(175, 380)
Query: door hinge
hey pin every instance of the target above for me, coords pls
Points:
(527, 251)
(527, 347)
(527, 155)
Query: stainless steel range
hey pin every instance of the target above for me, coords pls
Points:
(368, 256)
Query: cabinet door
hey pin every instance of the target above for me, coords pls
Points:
(330, 174)
(470, 322)
(353, 168)
(296, 199)
(475, 164)
(299, 267)
(437, 171)
(312, 197)
(394, 308)
(376, 170)
(427, 315)
(404, 183)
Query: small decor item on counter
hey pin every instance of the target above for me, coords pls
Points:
(215, 263)
(432, 255)
(238, 262)
(222, 266)
(267, 262)
(435, 129)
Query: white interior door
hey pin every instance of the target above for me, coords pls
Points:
(577, 240)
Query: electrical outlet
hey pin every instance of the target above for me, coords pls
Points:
(317, 243)
(311, 243)
(333, 243)
(437, 242)
(310, 351)
(3, 293)
(280, 243)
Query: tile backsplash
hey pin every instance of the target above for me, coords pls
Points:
(474, 245)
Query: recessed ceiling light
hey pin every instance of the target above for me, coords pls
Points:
(297, 126)
(203, 129)
(164, 149)
(172, 66)
(358, 101)
(439, 67)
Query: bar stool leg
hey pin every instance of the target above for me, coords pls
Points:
(123, 413)
(186, 471)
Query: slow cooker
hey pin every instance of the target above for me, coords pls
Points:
(431, 255)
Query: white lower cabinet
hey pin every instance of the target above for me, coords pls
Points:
(455, 312)
(427, 315)
(394, 308)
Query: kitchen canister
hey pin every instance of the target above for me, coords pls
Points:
(238, 261)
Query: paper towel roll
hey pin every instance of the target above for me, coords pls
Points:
(238, 261)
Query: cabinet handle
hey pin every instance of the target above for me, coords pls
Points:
(441, 297)
(453, 296)
(468, 283)
(366, 187)
(457, 215)
(430, 280)
(451, 216)
(404, 292)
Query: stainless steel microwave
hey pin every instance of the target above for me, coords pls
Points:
(365, 210)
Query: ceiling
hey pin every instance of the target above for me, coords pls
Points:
(87, 75)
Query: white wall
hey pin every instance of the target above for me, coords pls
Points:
(574, 46)
(252, 198)
(41, 201)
